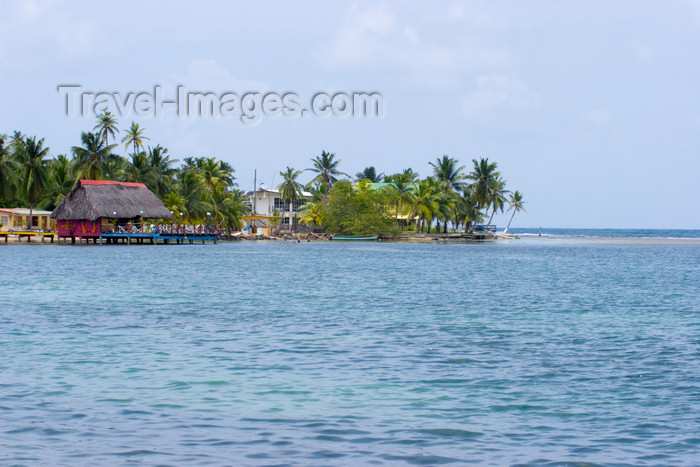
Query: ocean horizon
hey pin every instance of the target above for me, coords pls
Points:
(605, 232)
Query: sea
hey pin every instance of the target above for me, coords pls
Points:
(576, 347)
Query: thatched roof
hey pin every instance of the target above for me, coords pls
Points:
(93, 199)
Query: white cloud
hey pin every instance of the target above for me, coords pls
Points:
(597, 116)
(361, 35)
(495, 94)
(478, 13)
(209, 75)
(430, 50)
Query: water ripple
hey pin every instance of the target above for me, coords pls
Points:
(324, 354)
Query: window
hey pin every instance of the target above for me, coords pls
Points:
(280, 205)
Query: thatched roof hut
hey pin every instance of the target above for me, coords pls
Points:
(93, 199)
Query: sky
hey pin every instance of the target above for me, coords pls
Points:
(591, 109)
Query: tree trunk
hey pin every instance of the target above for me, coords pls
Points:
(470, 229)
(511, 220)
(492, 214)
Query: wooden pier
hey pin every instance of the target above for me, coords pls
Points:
(143, 238)
(20, 234)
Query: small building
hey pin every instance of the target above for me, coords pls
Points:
(264, 203)
(19, 219)
(96, 206)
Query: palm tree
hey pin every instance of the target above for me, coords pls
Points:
(447, 200)
(34, 172)
(193, 194)
(215, 173)
(424, 204)
(401, 188)
(61, 178)
(228, 207)
(319, 193)
(444, 196)
(106, 125)
(94, 160)
(228, 170)
(515, 202)
(498, 197)
(290, 190)
(161, 163)
(369, 173)
(485, 180)
(310, 214)
(407, 174)
(446, 171)
(139, 170)
(134, 135)
(466, 209)
(326, 168)
(17, 140)
(8, 169)
(174, 202)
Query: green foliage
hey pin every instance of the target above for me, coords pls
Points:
(30, 177)
(447, 171)
(94, 160)
(358, 210)
(135, 136)
(203, 184)
(310, 214)
(106, 126)
(326, 168)
(33, 175)
(370, 173)
(516, 203)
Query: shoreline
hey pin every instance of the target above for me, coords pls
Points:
(547, 239)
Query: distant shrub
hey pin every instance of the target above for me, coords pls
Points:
(358, 210)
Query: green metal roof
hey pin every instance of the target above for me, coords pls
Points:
(25, 211)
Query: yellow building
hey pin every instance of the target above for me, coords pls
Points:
(18, 219)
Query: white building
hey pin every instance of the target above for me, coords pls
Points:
(266, 204)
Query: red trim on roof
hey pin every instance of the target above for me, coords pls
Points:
(110, 182)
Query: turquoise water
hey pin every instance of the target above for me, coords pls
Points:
(520, 352)
(606, 233)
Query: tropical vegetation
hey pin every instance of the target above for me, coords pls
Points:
(451, 198)
(201, 189)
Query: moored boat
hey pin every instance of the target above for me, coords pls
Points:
(355, 237)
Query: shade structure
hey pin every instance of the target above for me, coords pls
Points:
(94, 199)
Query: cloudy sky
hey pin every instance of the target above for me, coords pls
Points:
(590, 108)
